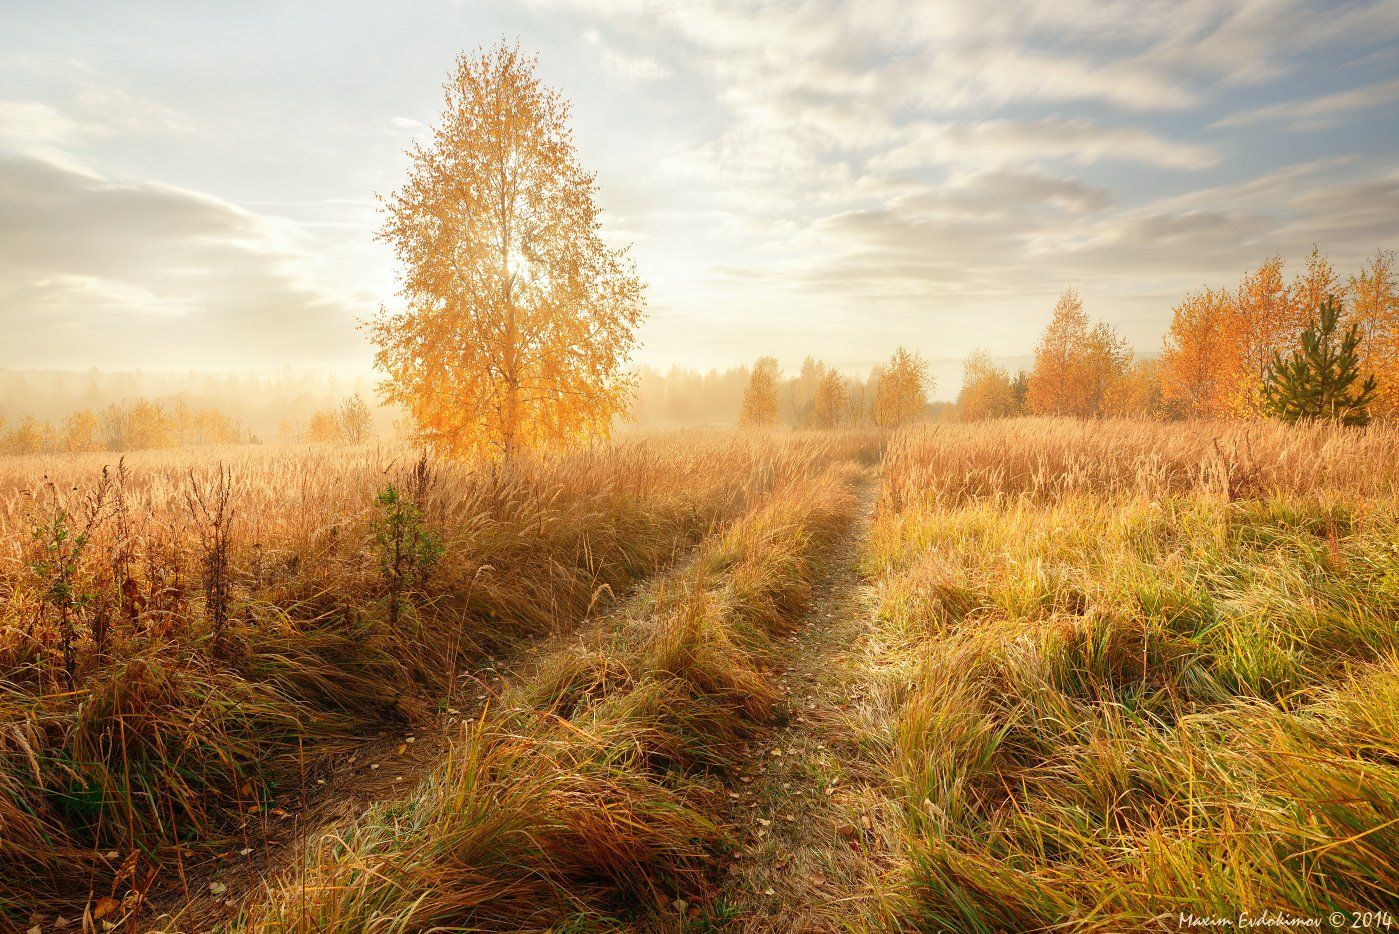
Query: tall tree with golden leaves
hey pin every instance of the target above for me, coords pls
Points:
(902, 394)
(518, 319)
(760, 398)
(1059, 378)
(1139, 394)
(1264, 321)
(830, 401)
(986, 389)
(1374, 309)
(1106, 359)
(1200, 359)
(1311, 289)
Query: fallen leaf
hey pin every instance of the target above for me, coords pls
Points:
(104, 907)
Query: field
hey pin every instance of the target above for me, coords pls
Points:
(1017, 675)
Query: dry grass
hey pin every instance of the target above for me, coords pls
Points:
(581, 797)
(1157, 672)
(1117, 671)
(139, 725)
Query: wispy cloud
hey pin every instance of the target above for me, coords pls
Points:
(630, 67)
(131, 273)
(1318, 112)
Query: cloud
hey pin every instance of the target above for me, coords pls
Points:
(1314, 112)
(141, 274)
(1008, 142)
(631, 67)
(984, 243)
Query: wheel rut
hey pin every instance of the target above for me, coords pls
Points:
(808, 810)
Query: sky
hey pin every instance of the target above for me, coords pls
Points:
(192, 185)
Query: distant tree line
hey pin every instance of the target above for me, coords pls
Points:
(142, 425)
(1317, 347)
(133, 426)
(821, 397)
(351, 422)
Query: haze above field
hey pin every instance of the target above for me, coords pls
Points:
(185, 188)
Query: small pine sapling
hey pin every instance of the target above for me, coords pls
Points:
(1322, 378)
(407, 550)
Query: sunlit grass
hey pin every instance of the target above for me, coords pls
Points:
(1151, 680)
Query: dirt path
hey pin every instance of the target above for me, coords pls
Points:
(810, 808)
(387, 764)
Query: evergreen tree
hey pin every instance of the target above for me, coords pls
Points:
(1319, 380)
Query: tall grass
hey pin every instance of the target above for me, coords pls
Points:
(186, 701)
(1158, 673)
(580, 797)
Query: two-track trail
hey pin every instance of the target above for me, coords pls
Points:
(388, 764)
(809, 810)
(386, 767)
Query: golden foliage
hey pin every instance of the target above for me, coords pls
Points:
(1057, 379)
(902, 394)
(830, 401)
(517, 318)
(1374, 307)
(1262, 321)
(760, 398)
(1079, 370)
(1199, 361)
(986, 389)
(1221, 343)
(135, 426)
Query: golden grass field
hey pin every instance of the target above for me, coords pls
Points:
(1008, 676)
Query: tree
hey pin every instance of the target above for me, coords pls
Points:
(986, 388)
(148, 426)
(323, 428)
(804, 389)
(79, 432)
(1263, 322)
(830, 401)
(353, 419)
(1139, 394)
(1200, 358)
(902, 394)
(1374, 310)
(518, 320)
(1058, 380)
(760, 398)
(1106, 358)
(1020, 392)
(1319, 379)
